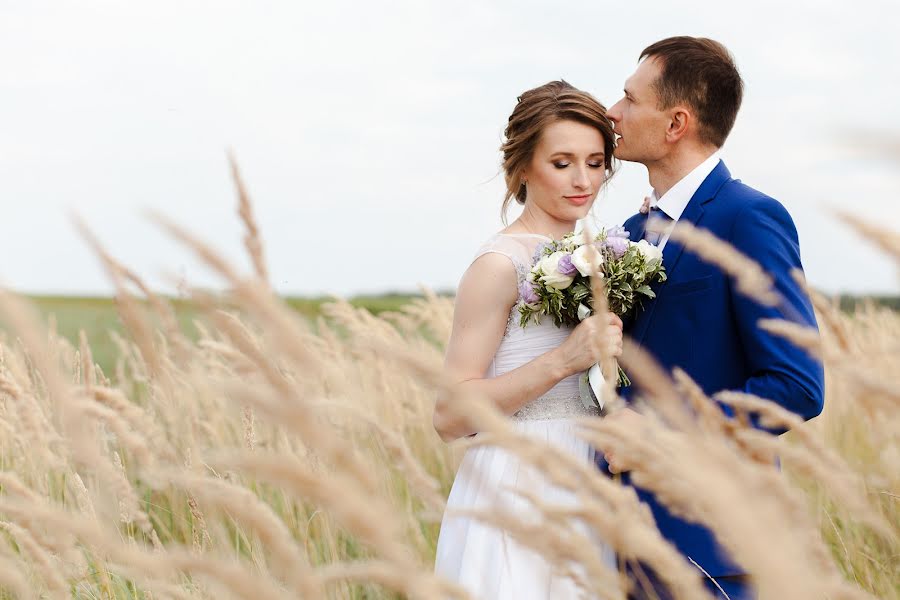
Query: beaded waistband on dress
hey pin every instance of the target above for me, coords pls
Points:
(554, 406)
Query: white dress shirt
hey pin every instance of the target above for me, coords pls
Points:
(677, 198)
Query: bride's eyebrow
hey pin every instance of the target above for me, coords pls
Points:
(571, 155)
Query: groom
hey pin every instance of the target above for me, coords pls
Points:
(679, 107)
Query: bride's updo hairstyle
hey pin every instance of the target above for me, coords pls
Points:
(535, 110)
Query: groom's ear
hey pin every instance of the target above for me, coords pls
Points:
(680, 121)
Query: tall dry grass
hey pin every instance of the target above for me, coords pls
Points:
(275, 457)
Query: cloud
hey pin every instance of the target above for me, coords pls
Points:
(380, 125)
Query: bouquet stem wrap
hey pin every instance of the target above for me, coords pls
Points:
(593, 386)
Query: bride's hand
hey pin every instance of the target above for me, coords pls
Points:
(596, 338)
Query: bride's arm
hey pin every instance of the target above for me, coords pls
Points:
(486, 294)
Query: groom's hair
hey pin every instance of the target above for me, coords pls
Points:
(701, 73)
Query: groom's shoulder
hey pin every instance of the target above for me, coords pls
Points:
(634, 219)
(742, 200)
(742, 210)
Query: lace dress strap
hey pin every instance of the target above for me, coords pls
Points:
(519, 248)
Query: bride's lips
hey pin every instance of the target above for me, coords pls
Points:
(578, 200)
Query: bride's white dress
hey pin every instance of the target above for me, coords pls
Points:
(485, 560)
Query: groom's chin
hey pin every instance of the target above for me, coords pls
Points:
(622, 154)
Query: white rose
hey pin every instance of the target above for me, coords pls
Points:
(584, 257)
(549, 266)
(649, 251)
(576, 240)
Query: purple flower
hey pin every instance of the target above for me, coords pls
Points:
(565, 266)
(617, 232)
(527, 293)
(617, 245)
(539, 251)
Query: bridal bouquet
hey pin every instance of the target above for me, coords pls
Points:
(559, 286)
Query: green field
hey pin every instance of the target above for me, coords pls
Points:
(98, 317)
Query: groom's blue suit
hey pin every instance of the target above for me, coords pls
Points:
(701, 323)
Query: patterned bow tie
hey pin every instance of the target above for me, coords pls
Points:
(656, 223)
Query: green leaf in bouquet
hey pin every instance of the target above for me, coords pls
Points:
(528, 314)
(580, 291)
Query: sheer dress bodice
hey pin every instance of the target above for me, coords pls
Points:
(521, 345)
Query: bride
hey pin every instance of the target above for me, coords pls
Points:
(557, 154)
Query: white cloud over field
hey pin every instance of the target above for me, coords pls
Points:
(368, 132)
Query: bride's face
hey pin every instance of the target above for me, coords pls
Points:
(566, 171)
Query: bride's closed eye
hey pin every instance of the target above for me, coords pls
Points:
(563, 165)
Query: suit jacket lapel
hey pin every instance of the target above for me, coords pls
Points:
(636, 231)
(672, 252)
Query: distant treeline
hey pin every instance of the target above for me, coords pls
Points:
(378, 303)
(850, 303)
(375, 303)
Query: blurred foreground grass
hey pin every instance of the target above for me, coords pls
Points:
(201, 468)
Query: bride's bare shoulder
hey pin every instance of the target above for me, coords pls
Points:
(492, 267)
(491, 277)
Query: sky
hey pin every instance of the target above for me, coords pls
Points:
(368, 133)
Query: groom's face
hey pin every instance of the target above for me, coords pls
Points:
(640, 125)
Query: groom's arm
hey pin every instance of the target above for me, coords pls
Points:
(781, 372)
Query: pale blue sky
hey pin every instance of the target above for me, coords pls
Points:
(368, 132)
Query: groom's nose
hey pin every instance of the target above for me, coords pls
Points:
(613, 112)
